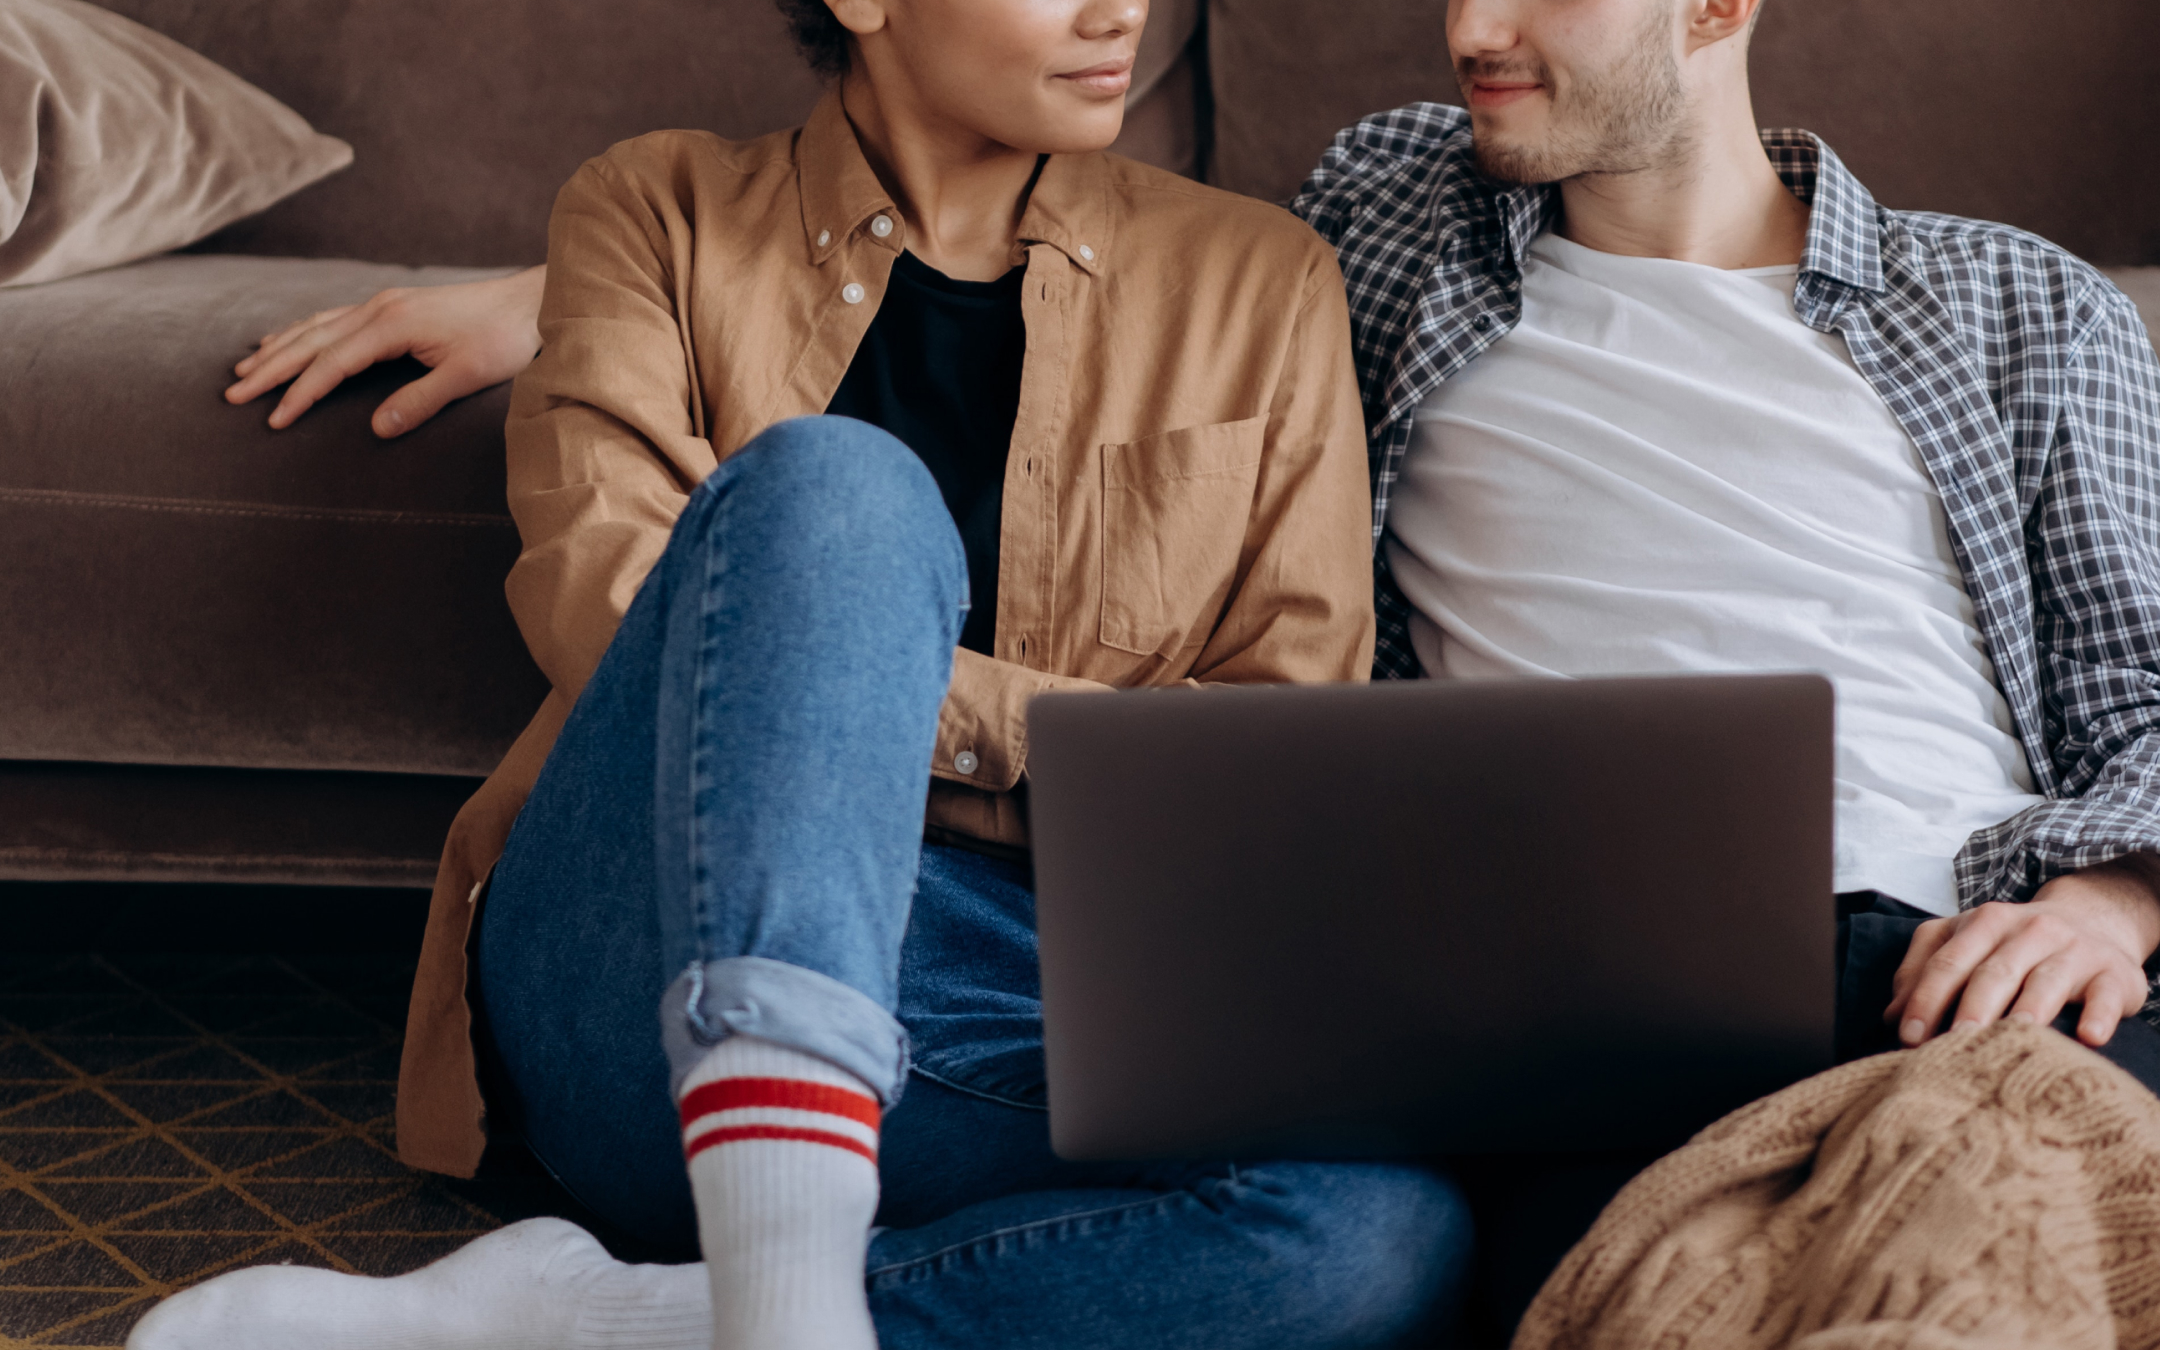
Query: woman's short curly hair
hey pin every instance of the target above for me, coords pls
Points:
(822, 38)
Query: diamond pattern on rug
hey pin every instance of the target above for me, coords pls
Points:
(164, 1118)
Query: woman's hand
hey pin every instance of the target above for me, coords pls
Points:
(2083, 939)
(471, 336)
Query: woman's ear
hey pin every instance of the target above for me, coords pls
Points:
(859, 16)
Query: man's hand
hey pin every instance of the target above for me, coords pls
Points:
(2082, 939)
(471, 335)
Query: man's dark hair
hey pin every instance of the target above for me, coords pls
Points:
(822, 38)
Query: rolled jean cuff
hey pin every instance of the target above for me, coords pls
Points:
(792, 1006)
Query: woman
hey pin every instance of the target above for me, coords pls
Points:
(1099, 429)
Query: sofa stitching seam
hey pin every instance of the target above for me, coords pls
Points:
(185, 507)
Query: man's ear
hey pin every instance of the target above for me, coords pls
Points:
(1716, 20)
(859, 16)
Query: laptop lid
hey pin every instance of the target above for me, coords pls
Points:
(1429, 917)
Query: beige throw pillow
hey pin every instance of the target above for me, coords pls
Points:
(117, 143)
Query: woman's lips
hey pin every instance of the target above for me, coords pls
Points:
(1500, 95)
(1111, 77)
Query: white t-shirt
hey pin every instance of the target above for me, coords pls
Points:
(1663, 470)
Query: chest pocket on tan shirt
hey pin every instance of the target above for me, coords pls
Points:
(1175, 508)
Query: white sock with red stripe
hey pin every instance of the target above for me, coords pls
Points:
(782, 1149)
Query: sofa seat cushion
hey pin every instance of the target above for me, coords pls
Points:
(180, 585)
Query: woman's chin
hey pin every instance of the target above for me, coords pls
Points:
(1072, 135)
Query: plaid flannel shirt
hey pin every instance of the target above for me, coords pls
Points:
(2025, 377)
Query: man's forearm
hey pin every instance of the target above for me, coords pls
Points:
(2116, 817)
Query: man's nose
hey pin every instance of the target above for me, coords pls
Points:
(1483, 27)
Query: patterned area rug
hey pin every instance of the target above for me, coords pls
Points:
(165, 1117)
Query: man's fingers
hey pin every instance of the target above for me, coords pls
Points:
(2108, 1000)
(1945, 974)
(1996, 981)
(415, 403)
(2054, 983)
(1927, 940)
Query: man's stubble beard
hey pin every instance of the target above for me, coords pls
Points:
(1624, 120)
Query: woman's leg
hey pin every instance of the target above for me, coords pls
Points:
(1271, 1254)
(993, 1240)
(757, 709)
(735, 804)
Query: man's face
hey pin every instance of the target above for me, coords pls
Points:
(1562, 88)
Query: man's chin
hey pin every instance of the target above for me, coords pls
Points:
(1522, 165)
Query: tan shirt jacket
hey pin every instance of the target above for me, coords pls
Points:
(1185, 499)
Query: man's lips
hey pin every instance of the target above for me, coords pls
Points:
(1111, 77)
(1500, 93)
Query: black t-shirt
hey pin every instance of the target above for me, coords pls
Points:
(940, 369)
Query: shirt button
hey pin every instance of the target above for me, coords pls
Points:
(824, 237)
(966, 762)
(881, 227)
(1482, 322)
(852, 293)
(1087, 253)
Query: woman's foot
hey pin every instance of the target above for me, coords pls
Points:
(538, 1283)
(782, 1152)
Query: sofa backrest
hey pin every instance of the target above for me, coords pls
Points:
(466, 116)
(2041, 113)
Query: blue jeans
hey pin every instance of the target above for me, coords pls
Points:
(730, 829)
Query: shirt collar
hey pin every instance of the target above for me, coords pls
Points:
(840, 193)
(1068, 209)
(1491, 218)
(1844, 241)
(1524, 214)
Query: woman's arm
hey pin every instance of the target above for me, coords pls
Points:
(606, 437)
(472, 335)
(1301, 609)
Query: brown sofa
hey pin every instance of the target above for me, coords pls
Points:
(228, 654)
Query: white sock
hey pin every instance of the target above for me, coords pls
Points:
(538, 1283)
(782, 1150)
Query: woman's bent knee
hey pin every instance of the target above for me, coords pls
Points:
(829, 460)
(832, 488)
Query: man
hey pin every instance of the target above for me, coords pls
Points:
(1650, 392)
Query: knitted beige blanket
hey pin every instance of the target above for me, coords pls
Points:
(1993, 1188)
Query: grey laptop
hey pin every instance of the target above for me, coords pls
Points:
(1429, 917)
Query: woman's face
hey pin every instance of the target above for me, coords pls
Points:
(1046, 76)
